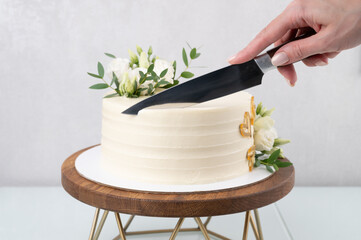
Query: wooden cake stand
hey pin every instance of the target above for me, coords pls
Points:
(178, 205)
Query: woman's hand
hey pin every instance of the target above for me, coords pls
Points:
(337, 24)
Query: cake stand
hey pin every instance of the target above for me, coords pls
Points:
(176, 205)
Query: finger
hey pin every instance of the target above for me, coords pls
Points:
(316, 60)
(332, 54)
(270, 34)
(289, 73)
(291, 34)
(298, 50)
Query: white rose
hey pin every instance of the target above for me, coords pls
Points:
(160, 65)
(264, 139)
(119, 66)
(263, 123)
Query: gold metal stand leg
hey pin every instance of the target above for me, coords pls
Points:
(101, 224)
(94, 224)
(258, 222)
(207, 221)
(246, 224)
(255, 231)
(176, 229)
(202, 227)
(120, 226)
(128, 223)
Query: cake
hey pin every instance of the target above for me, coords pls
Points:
(198, 144)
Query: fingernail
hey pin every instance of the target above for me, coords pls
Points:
(231, 58)
(321, 63)
(289, 82)
(280, 58)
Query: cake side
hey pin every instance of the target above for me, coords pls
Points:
(193, 145)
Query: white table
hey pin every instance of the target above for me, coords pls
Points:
(306, 213)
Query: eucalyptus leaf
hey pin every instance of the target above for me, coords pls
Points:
(111, 95)
(100, 70)
(283, 164)
(99, 86)
(269, 169)
(197, 55)
(150, 68)
(142, 75)
(186, 74)
(115, 78)
(174, 67)
(163, 73)
(275, 167)
(110, 55)
(149, 78)
(274, 156)
(150, 89)
(193, 53)
(185, 58)
(94, 75)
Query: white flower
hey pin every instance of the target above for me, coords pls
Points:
(264, 139)
(119, 66)
(160, 65)
(134, 73)
(263, 123)
(143, 60)
(128, 84)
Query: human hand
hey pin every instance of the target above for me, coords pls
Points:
(337, 24)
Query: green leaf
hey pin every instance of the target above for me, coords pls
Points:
(110, 55)
(163, 73)
(111, 95)
(142, 75)
(94, 75)
(185, 58)
(175, 67)
(275, 167)
(259, 108)
(150, 68)
(280, 141)
(269, 169)
(162, 82)
(187, 74)
(115, 79)
(274, 156)
(99, 86)
(193, 53)
(257, 163)
(100, 70)
(149, 78)
(150, 89)
(283, 164)
(197, 55)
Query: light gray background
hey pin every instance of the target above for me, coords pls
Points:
(47, 111)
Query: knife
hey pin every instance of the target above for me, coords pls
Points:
(215, 84)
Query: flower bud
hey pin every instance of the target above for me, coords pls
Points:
(259, 108)
(150, 51)
(133, 57)
(268, 112)
(139, 50)
(280, 141)
(143, 60)
(128, 86)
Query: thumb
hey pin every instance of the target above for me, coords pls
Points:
(298, 50)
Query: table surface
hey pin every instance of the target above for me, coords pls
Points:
(330, 213)
(195, 204)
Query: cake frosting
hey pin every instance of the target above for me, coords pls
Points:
(173, 144)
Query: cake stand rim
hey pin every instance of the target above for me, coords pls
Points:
(190, 204)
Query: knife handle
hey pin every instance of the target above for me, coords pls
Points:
(264, 60)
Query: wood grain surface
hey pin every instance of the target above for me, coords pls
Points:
(160, 204)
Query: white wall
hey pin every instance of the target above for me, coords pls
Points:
(47, 111)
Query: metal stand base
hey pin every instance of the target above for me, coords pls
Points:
(202, 227)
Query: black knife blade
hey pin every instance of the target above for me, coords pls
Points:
(216, 84)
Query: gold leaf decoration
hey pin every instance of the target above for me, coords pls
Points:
(251, 153)
(245, 128)
(253, 111)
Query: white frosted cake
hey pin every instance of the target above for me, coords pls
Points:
(198, 144)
